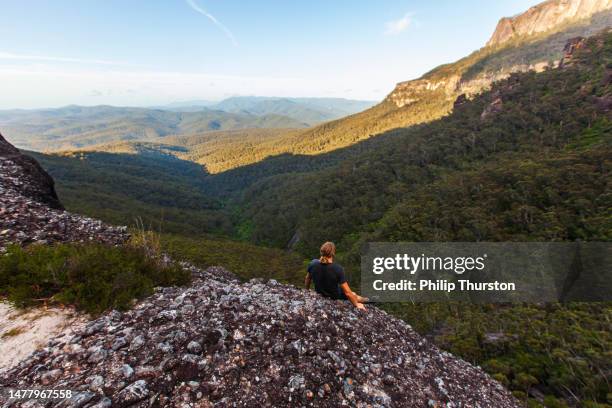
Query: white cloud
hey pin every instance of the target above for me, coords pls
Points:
(212, 18)
(22, 57)
(397, 26)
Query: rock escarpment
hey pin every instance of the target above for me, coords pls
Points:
(31, 212)
(531, 41)
(224, 343)
(544, 17)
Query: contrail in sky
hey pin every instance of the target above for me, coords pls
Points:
(212, 18)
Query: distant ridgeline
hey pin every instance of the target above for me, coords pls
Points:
(74, 127)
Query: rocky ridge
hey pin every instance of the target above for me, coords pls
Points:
(30, 211)
(26, 176)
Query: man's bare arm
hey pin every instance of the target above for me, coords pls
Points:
(351, 296)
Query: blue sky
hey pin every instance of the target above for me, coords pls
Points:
(143, 53)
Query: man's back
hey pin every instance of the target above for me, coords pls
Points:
(327, 279)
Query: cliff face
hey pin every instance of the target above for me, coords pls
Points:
(496, 61)
(545, 17)
(449, 87)
(409, 92)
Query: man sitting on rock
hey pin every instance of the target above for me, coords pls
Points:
(329, 279)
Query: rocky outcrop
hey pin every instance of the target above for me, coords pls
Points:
(493, 108)
(223, 343)
(31, 212)
(570, 48)
(496, 105)
(409, 92)
(544, 17)
(30, 180)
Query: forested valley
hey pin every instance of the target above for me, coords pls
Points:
(527, 160)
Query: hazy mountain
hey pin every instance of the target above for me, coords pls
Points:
(310, 110)
(181, 105)
(79, 126)
(75, 126)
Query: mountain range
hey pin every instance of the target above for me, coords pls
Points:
(310, 110)
(317, 109)
(80, 126)
(511, 143)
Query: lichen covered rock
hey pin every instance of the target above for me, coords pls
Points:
(225, 343)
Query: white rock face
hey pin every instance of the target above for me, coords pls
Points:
(23, 332)
(546, 16)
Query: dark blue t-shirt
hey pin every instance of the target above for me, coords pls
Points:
(327, 278)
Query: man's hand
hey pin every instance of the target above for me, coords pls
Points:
(352, 296)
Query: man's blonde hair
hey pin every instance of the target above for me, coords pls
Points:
(328, 251)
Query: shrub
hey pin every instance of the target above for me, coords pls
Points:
(92, 277)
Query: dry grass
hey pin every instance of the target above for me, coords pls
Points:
(147, 239)
(15, 331)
